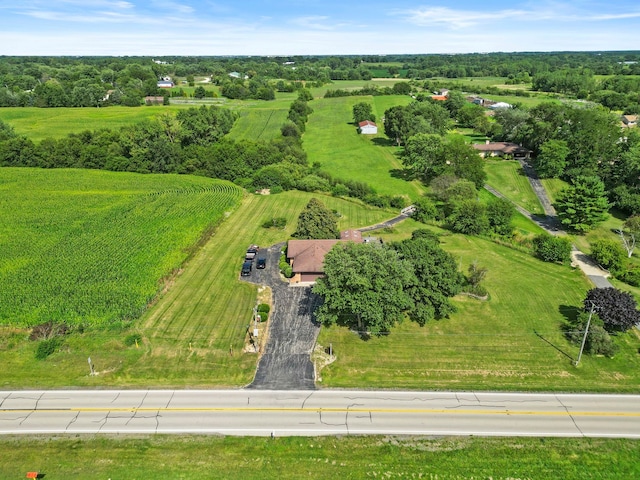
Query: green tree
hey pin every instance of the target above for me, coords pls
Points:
(437, 278)
(552, 160)
(500, 213)
(364, 287)
(317, 222)
(468, 115)
(582, 205)
(199, 92)
(469, 217)
(363, 111)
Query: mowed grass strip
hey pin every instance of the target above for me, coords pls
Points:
(332, 140)
(513, 341)
(214, 457)
(507, 177)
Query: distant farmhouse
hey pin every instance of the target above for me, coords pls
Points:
(629, 121)
(501, 149)
(367, 127)
(165, 82)
(306, 257)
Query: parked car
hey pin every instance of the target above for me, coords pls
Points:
(246, 269)
(262, 263)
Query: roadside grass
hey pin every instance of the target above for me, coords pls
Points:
(332, 140)
(194, 334)
(350, 457)
(507, 178)
(41, 123)
(513, 341)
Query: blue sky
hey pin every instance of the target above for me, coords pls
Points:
(261, 27)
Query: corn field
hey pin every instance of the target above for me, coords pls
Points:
(92, 247)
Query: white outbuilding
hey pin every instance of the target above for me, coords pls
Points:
(367, 127)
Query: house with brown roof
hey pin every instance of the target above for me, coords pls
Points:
(306, 257)
(501, 149)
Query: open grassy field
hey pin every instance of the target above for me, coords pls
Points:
(91, 247)
(188, 335)
(41, 123)
(513, 341)
(507, 178)
(332, 140)
(351, 457)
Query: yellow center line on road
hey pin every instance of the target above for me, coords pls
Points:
(456, 411)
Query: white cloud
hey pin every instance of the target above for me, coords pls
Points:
(317, 22)
(458, 19)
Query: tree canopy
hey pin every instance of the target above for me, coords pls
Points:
(316, 222)
(616, 308)
(372, 287)
(582, 205)
(364, 287)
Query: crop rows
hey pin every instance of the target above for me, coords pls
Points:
(95, 257)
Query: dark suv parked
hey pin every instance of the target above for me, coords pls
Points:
(246, 269)
(262, 263)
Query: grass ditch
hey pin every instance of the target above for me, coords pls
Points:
(213, 457)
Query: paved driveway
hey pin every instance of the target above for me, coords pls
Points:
(286, 363)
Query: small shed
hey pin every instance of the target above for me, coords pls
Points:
(367, 127)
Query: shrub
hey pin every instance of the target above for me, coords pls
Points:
(264, 307)
(609, 254)
(132, 339)
(275, 222)
(48, 330)
(47, 347)
(552, 249)
(598, 342)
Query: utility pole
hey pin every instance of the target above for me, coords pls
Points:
(586, 332)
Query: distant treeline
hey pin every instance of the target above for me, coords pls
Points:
(103, 81)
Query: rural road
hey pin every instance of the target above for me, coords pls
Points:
(318, 412)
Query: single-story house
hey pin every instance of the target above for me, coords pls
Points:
(629, 120)
(367, 127)
(500, 149)
(306, 257)
(439, 98)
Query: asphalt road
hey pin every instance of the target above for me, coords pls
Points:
(318, 412)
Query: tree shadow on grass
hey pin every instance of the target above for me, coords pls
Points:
(383, 142)
(570, 313)
(402, 173)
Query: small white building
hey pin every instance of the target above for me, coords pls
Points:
(367, 127)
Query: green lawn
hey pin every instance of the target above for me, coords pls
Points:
(332, 140)
(41, 123)
(513, 341)
(507, 177)
(351, 457)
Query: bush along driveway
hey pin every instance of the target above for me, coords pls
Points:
(286, 360)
